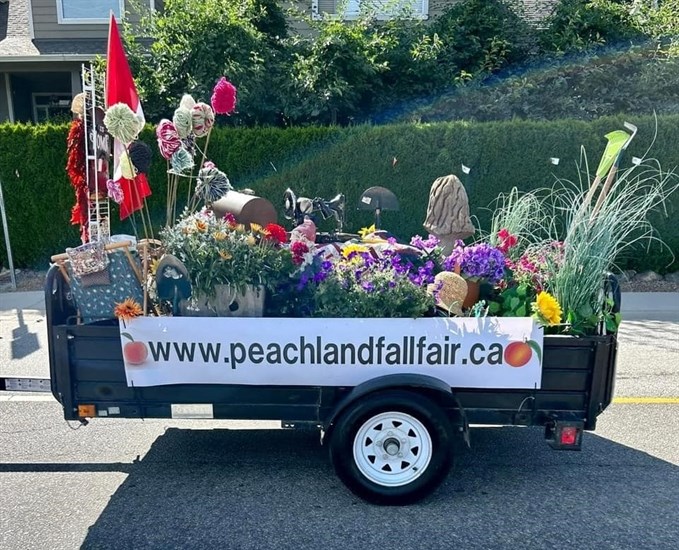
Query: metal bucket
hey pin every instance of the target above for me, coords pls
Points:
(226, 302)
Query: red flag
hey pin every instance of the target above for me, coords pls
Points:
(120, 88)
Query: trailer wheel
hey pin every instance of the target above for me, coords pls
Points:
(394, 447)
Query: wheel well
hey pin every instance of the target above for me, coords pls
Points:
(434, 389)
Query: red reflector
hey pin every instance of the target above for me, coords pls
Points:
(569, 435)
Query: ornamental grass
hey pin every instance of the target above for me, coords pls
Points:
(594, 238)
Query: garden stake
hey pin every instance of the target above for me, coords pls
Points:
(614, 169)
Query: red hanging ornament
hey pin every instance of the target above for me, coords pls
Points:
(75, 168)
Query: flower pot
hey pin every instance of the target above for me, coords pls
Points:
(473, 289)
(226, 302)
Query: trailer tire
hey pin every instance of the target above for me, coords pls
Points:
(393, 447)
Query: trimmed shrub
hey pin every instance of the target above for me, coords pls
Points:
(320, 162)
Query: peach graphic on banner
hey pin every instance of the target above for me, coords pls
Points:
(134, 353)
(517, 354)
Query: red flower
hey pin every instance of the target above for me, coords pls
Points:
(230, 220)
(223, 97)
(276, 233)
(507, 240)
(298, 249)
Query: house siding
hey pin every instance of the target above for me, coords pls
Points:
(46, 24)
(436, 7)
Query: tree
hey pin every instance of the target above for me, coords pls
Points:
(190, 44)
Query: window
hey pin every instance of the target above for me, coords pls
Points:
(88, 11)
(383, 9)
(54, 107)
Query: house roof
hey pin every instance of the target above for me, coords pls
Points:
(16, 43)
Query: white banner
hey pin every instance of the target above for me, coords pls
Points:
(486, 352)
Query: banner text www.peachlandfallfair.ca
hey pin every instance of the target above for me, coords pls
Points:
(410, 351)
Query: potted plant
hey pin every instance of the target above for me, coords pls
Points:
(358, 284)
(476, 263)
(229, 265)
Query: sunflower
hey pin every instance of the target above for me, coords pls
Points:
(127, 309)
(353, 249)
(547, 309)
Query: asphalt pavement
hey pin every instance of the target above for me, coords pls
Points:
(247, 485)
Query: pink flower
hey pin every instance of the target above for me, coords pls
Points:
(223, 97)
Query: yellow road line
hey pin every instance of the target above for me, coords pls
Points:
(647, 400)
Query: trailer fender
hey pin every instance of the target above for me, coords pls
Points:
(433, 388)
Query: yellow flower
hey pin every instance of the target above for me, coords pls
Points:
(154, 267)
(256, 228)
(220, 236)
(351, 248)
(365, 231)
(201, 226)
(240, 228)
(127, 309)
(225, 255)
(547, 309)
(250, 240)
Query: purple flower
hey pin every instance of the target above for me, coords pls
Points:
(479, 261)
(368, 286)
(431, 242)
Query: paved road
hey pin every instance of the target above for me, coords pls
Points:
(241, 485)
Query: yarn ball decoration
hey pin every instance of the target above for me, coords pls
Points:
(183, 122)
(181, 161)
(450, 290)
(223, 97)
(122, 123)
(140, 155)
(203, 118)
(187, 102)
(126, 167)
(168, 138)
(115, 192)
(78, 104)
(212, 184)
(189, 143)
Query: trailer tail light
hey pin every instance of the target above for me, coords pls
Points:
(569, 435)
(87, 411)
(565, 436)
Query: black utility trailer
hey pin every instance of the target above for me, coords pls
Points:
(390, 438)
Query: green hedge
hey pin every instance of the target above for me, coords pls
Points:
(325, 161)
